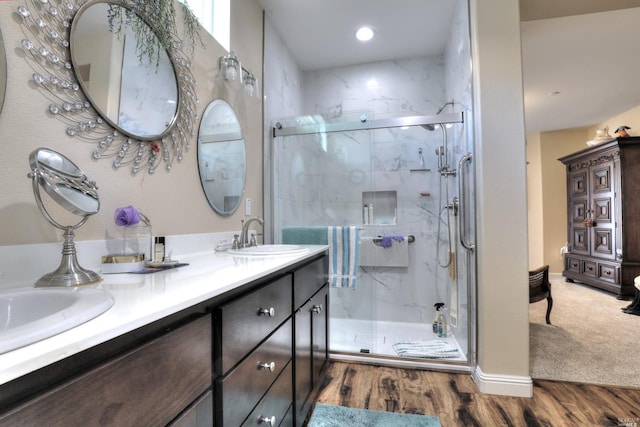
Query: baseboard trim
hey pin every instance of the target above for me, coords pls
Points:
(506, 385)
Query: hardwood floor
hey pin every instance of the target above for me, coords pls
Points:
(455, 398)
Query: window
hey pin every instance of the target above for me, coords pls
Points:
(215, 17)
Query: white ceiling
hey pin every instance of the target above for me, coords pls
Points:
(591, 59)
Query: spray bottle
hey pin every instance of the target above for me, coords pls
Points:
(436, 319)
(442, 323)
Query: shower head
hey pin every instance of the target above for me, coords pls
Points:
(443, 106)
(431, 127)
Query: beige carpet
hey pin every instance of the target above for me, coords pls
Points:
(590, 339)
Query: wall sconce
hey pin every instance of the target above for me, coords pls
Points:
(251, 89)
(231, 70)
(234, 75)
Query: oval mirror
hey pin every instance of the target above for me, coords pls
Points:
(3, 72)
(221, 157)
(128, 78)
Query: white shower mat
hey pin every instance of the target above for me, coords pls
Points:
(431, 349)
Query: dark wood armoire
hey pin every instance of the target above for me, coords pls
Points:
(603, 215)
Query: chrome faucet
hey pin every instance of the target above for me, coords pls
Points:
(244, 234)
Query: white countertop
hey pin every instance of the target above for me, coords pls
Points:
(141, 299)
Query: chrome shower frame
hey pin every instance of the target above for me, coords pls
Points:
(366, 124)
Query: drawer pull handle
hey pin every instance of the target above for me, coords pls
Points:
(317, 308)
(270, 366)
(267, 420)
(267, 311)
(608, 273)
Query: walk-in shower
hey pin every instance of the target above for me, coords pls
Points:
(401, 183)
(388, 147)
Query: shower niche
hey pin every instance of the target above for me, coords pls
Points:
(379, 207)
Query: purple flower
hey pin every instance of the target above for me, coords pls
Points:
(126, 216)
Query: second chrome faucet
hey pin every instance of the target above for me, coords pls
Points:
(244, 234)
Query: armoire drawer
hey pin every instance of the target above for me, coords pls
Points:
(608, 273)
(589, 268)
(245, 385)
(573, 264)
(244, 322)
(276, 404)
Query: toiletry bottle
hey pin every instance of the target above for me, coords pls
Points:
(442, 324)
(158, 255)
(438, 306)
(371, 220)
(365, 214)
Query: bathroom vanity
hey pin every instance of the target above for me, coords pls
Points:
(225, 341)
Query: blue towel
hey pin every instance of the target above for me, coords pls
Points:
(343, 256)
(304, 235)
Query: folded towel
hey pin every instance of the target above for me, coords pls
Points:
(343, 256)
(304, 235)
(432, 349)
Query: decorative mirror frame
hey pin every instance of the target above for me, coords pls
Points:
(48, 52)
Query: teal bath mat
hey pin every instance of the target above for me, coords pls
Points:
(340, 416)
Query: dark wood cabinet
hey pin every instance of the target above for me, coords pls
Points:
(603, 215)
(311, 335)
(228, 361)
(149, 385)
(270, 348)
(254, 345)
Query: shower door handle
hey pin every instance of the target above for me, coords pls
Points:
(463, 191)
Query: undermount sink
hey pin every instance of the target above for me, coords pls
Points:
(269, 250)
(28, 315)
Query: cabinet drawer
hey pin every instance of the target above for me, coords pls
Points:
(589, 268)
(243, 323)
(275, 403)
(309, 279)
(200, 414)
(247, 383)
(608, 273)
(149, 385)
(572, 264)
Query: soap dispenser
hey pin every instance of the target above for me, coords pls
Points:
(438, 307)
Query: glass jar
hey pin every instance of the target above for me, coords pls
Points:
(137, 239)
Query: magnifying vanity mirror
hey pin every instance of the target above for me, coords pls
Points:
(68, 186)
(131, 82)
(222, 157)
(3, 72)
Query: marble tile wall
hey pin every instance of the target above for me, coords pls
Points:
(282, 91)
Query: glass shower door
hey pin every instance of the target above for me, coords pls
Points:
(390, 182)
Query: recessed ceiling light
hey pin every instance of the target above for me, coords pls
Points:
(364, 34)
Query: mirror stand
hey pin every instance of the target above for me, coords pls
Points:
(69, 273)
(67, 185)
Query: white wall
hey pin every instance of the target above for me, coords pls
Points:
(503, 324)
